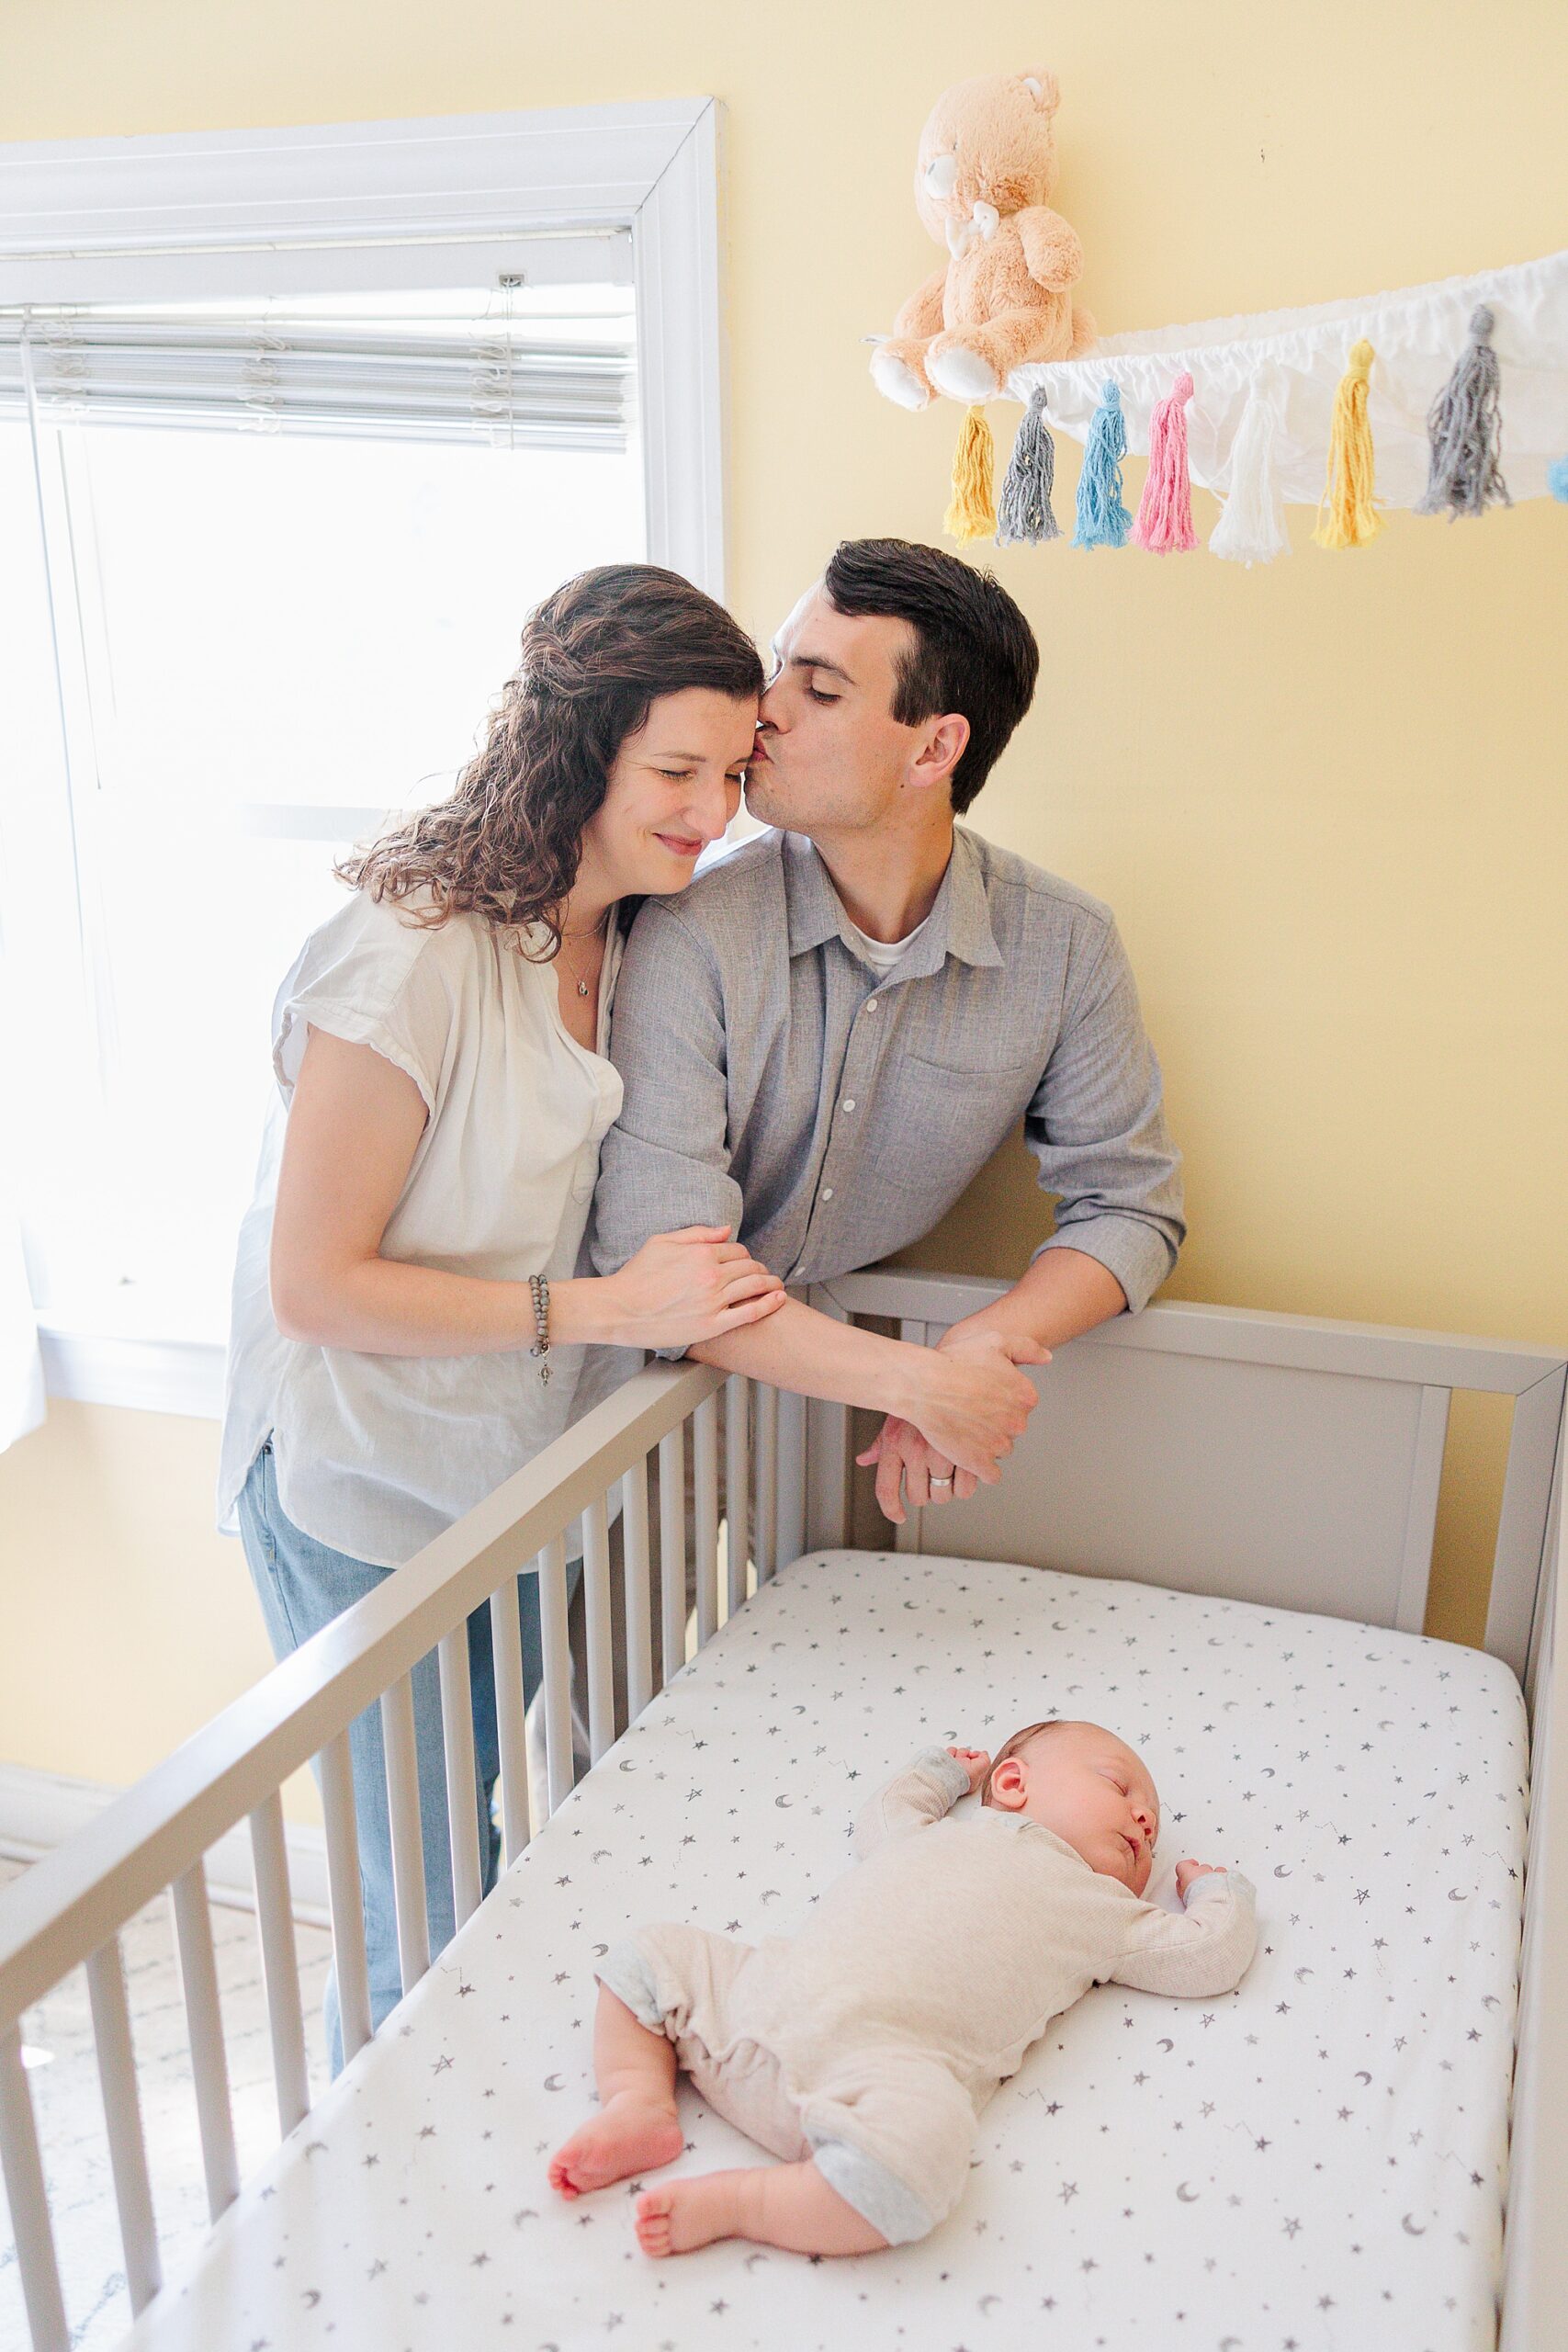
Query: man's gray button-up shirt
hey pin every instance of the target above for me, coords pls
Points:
(774, 1083)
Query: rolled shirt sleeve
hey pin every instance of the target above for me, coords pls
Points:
(1096, 1125)
(665, 1164)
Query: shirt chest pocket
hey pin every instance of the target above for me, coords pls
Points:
(937, 1126)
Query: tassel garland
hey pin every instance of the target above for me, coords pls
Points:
(1103, 519)
(1557, 479)
(1252, 527)
(1023, 511)
(1348, 511)
(1165, 512)
(971, 515)
(1466, 433)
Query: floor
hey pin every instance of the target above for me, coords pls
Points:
(66, 2101)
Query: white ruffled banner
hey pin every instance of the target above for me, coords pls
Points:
(1292, 360)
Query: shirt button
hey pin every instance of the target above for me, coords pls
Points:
(827, 1192)
(871, 1004)
(848, 1103)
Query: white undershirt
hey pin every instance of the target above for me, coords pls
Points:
(882, 953)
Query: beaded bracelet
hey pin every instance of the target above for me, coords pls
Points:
(539, 1292)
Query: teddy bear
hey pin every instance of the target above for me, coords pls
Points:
(986, 166)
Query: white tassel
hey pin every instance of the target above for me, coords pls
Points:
(1252, 527)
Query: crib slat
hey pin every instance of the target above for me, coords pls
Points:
(737, 1485)
(343, 1888)
(601, 1636)
(122, 2115)
(634, 1543)
(673, 1552)
(408, 1849)
(506, 1647)
(705, 1443)
(204, 2020)
(28, 2200)
(555, 1644)
(280, 1966)
(792, 1477)
(462, 1790)
(767, 1458)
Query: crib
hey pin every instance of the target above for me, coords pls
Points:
(1211, 1510)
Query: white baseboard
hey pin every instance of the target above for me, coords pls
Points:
(41, 1810)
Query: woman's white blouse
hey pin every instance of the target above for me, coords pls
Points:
(375, 1454)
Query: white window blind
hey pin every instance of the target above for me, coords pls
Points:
(516, 367)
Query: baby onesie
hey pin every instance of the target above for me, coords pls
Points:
(872, 2040)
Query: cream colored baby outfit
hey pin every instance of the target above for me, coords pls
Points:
(871, 2040)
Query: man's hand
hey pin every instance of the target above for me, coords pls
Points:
(913, 1470)
(1186, 1871)
(906, 1467)
(976, 1762)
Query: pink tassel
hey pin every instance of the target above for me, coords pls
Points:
(1165, 512)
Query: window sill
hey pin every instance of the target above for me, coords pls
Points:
(156, 1368)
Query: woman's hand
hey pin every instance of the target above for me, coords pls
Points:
(680, 1287)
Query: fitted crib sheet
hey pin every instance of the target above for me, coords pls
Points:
(1315, 2162)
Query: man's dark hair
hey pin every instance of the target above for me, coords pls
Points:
(974, 652)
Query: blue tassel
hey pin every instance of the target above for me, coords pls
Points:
(1104, 520)
(1557, 479)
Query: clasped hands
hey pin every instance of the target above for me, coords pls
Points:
(971, 1400)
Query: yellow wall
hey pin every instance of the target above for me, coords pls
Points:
(1325, 798)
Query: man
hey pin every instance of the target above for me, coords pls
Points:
(832, 1030)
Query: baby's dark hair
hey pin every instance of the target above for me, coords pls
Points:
(1015, 1746)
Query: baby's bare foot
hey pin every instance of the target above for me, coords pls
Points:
(630, 2134)
(685, 2214)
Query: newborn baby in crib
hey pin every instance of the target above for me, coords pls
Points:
(862, 2050)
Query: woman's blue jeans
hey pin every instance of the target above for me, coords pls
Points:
(303, 1585)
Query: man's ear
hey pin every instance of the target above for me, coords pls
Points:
(946, 744)
(1010, 1784)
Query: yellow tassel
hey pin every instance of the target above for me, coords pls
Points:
(1347, 513)
(972, 514)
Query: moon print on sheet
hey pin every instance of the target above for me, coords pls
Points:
(1188, 2196)
(783, 1804)
(1408, 2227)
(1362, 2076)
(628, 1764)
(552, 2082)
(1280, 1871)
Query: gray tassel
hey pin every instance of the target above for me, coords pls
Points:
(1466, 433)
(1023, 511)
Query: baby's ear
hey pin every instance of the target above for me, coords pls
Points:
(1007, 1784)
(1043, 87)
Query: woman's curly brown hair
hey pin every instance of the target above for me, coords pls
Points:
(506, 841)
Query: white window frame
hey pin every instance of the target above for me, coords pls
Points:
(208, 215)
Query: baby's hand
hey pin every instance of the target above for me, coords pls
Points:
(976, 1762)
(1186, 1871)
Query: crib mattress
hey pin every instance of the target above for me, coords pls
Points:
(1315, 2162)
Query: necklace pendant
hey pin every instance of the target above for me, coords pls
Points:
(582, 987)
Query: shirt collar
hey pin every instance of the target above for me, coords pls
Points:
(959, 923)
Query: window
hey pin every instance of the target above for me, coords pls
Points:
(265, 552)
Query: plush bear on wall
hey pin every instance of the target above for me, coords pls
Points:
(987, 165)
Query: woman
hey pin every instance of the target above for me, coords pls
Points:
(439, 1050)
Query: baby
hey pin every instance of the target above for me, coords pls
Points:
(862, 2050)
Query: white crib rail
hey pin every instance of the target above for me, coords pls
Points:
(70, 1906)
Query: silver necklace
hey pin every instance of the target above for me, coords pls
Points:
(599, 934)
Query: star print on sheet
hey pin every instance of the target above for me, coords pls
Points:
(1217, 2125)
